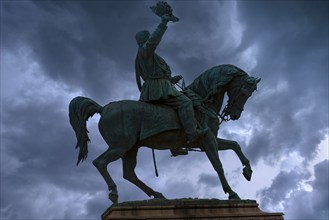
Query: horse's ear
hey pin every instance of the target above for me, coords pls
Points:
(258, 80)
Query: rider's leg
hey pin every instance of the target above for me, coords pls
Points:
(186, 115)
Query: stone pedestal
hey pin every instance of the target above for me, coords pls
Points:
(209, 209)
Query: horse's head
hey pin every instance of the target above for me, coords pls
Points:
(239, 90)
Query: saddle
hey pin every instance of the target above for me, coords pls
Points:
(157, 118)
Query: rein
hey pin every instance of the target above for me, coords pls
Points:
(181, 85)
(223, 116)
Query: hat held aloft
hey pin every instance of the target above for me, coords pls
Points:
(163, 8)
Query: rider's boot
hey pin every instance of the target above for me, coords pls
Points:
(190, 125)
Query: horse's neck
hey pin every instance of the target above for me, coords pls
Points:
(217, 101)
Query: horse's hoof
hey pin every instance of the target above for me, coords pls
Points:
(113, 197)
(247, 173)
(158, 195)
(234, 195)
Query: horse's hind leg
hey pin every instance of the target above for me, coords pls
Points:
(101, 163)
(129, 161)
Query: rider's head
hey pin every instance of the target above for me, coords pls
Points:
(142, 37)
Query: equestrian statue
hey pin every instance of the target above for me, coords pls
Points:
(165, 118)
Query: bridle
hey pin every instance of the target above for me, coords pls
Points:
(224, 115)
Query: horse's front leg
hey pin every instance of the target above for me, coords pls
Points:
(211, 149)
(233, 145)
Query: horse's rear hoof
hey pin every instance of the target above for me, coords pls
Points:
(234, 195)
(247, 173)
(113, 197)
(158, 195)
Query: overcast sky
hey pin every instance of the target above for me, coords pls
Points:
(52, 51)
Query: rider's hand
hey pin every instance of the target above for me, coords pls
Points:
(176, 79)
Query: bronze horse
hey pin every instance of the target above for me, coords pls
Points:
(128, 125)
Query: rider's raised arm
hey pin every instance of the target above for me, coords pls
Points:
(155, 38)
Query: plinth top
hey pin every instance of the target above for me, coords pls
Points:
(183, 201)
(188, 208)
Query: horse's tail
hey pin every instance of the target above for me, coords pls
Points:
(80, 110)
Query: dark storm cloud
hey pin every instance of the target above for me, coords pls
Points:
(292, 38)
(208, 180)
(201, 39)
(89, 46)
(86, 44)
(320, 185)
(298, 203)
(35, 152)
(291, 109)
(277, 192)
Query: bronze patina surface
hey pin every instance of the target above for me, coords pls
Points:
(165, 118)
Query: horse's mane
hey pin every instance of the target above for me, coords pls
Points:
(211, 80)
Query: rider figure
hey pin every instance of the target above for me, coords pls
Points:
(158, 86)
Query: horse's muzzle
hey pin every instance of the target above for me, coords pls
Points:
(235, 117)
